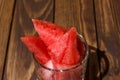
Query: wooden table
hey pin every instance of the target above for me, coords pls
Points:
(97, 20)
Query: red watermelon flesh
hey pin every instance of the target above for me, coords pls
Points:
(48, 32)
(37, 46)
(59, 47)
(72, 55)
(80, 47)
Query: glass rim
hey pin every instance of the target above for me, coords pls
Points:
(71, 68)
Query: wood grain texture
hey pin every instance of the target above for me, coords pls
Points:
(108, 28)
(20, 63)
(80, 13)
(6, 9)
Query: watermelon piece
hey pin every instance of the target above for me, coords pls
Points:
(72, 55)
(48, 31)
(37, 47)
(80, 47)
(59, 47)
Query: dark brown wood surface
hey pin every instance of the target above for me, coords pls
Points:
(97, 20)
(108, 29)
(6, 10)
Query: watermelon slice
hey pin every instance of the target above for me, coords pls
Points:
(37, 46)
(57, 49)
(72, 55)
(80, 47)
(64, 50)
(48, 32)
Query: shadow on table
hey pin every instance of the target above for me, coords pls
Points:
(98, 64)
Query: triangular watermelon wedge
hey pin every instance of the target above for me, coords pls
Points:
(48, 31)
(65, 49)
(37, 47)
(72, 55)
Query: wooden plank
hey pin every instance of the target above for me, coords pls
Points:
(20, 63)
(80, 13)
(108, 21)
(6, 9)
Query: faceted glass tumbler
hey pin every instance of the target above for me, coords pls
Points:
(76, 72)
